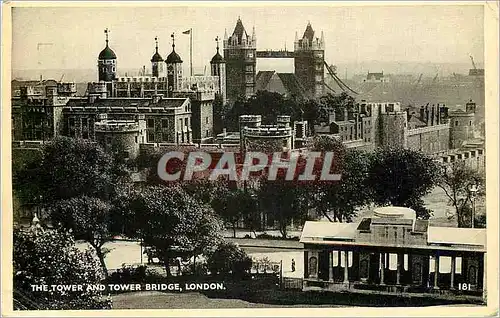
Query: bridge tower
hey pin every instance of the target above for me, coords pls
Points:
(240, 56)
(309, 62)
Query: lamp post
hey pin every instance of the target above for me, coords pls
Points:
(473, 188)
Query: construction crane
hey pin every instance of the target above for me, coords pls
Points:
(435, 78)
(473, 64)
(419, 79)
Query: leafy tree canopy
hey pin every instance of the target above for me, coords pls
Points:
(49, 257)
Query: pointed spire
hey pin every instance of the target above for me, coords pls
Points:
(225, 34)
(296, 36)
(106, 31)
(156, 40)
(173, 41)
(322, 37)
(253, 32)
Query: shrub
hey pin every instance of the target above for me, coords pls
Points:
(229, 258)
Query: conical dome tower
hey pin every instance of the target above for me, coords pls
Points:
(157, 62)
(106, 62)
(218, 68)
(174, 69)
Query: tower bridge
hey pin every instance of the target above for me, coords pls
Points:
(240, 53)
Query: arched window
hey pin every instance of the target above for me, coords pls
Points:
(313, 263)
(472, 274)
(363, 269)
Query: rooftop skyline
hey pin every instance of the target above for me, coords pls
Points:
(72, 37)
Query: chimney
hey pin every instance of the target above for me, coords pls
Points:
(427, 114)
(422, 118)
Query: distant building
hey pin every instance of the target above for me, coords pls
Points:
(174, 109)
(376, 78)
(309, 62)
(240, 58)
(392, 251)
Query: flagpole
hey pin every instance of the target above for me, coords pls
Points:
(191, 50)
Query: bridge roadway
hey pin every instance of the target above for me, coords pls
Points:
(275, 54)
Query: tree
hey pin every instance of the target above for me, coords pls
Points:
(229, 258)
(49, 257)
(401, 177)
(338, 102)
(72, 167)
(338, 200)
(455, 181)
(175, 223)
(285, 201)
(311, 112)
(89, 218)
(232, 204)
(344, 197)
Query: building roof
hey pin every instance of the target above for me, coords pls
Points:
(328, 230)
(456, 236)
(107, 54)
(173, 57)
(308, 33)
(291, 83)
(239, 31)
(416, 121)
(157, 57)
(217, 58)
(128, 102)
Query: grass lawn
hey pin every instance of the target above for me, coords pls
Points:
(159, 300)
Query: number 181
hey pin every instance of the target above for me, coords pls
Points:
(463, 286)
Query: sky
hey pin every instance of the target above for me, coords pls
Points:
(72, 37)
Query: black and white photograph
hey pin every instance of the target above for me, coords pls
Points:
(250, 155)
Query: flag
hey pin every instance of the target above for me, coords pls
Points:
(187, 32)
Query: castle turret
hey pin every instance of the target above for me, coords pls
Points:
(107, 62)
(218, 68)
(309, 62)
(174, 69)
(157, 62)
(239, 53)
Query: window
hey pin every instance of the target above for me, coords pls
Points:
(164, 123)
(445, 264)
(313, 262)
(335, 256)
(85, 122)
(206, 120)
(458, 265)
(72, 122)
(456, 122)
(470, 122)
(136, 139)
(108, 140)
(151, 136)
(186, 122)
(180, 124)
(151, 123)
(85, 134)
(207, 133)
